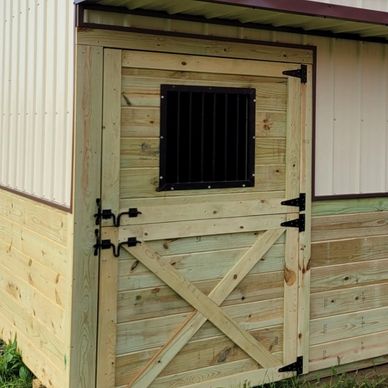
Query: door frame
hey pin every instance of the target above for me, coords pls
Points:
(108, 264)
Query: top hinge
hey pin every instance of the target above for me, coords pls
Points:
(298, 202)
(296, 366)
(298, 73)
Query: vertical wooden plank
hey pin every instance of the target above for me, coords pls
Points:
(110, 183)
(87, 164)
(292, 234)
(110, 186)
(305, 237)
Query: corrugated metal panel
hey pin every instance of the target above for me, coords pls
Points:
(36, 107)
(376, 5)
(209, 10)
(352, 102)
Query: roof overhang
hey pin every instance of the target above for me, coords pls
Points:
(301, 16)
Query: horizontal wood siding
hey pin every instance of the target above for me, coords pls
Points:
(349, 282)
(35, 281)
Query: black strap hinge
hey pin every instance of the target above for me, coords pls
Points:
(298, 202)
(297, 223)
(298, 73)
(106, 214)
(296, 366)
(107, 244)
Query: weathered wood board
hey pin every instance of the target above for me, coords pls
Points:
(349, 280)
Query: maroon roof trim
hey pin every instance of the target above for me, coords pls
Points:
(312, 8)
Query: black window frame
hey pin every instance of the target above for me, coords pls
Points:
(250, 141)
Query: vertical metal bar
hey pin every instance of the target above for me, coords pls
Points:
(237, 134)
(214, 135)
(202, 133)
(247, 139)
(190, 134)
(178, 129)
(226, 139)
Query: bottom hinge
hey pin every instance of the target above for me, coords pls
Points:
(107, 244)
(296, 366)
(297, 223)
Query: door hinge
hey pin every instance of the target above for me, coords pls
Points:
(298, 202)
(107, 244)
(298, 73)
(297, 223)
(296, 366)
(106, 214)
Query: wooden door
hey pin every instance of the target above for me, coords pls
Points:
(208, 295)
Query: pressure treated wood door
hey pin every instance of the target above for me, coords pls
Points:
(209, 297)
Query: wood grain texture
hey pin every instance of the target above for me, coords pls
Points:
(348, 275)
(35, 280)
(116, 39)
(143, 182)
(87, 163)
(144, 152)
(171, 230)
(348, 350)
(155, 332)
(291, 271)
(338, 327)
(305, 237)
(198, 354)
(110, 183)
(159, 301)
(349, 251)
(349, 206)
(193, 63)
(190, 207)
(195, 267)
(348, 226)
(207, 307)
(348, 300)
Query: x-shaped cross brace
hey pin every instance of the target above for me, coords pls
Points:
(207, 307)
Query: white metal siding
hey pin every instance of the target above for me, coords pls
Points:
(376, 5)
(36, 106)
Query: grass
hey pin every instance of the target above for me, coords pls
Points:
(13, 372)
(348, 380)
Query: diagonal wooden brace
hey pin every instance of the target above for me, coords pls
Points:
(195, 320)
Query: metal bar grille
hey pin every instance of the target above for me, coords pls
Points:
(207, 137)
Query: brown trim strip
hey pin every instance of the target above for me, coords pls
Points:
(348, 196)
(37, 199)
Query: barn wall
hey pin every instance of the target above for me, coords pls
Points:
(35, 284)
(352, 102)
(36, 97)
(349, 282)
(349, 255)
